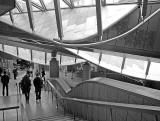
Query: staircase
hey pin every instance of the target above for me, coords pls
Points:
(57, 117)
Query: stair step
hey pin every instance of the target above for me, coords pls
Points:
(55, 118)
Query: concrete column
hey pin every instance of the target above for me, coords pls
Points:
(54, 66)
(86, 71)
(36, 67)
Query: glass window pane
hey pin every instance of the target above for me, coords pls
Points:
(63, 4)
(112, 1)
(24, 53)
(66, 60)
(134, 67)
(48, 58)
(111, 62)
(22, 5)
(38, 57)
(90, 56)
(49, 4)
(10, 49)
(37, 2)
(83, 2)
(72, 50)
(154, 71)
(1, 49)
(78, 60)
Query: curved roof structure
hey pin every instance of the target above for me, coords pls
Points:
(77, 24)
(34, 24)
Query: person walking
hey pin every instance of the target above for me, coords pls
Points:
(5, 81)
(25, 85)
(38, 83)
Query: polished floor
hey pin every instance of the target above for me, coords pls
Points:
(45, 109)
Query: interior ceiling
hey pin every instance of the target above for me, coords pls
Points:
(10, 30)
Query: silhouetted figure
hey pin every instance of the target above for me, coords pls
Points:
(5, 81)
(26, 86)
(38, 83)
(15, 73)
(43, 74)
(1, 70)
(37, 72)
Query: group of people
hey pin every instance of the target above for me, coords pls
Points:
(25, 84)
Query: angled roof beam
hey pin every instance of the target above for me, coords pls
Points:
(99, 19)
(19, 7)
(30, 14)
(11, 16)
(36, 5)
(58, 18)
(43, 5)
(68, 3)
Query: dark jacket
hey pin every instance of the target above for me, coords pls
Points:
(25, 84)
(43, 73)
(5, 79)
(38, 83)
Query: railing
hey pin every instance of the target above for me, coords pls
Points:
(153, 110)
(9, 108)
(125, 76)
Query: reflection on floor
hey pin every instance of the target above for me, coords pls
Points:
(36, 111)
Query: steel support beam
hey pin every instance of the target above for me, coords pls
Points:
(36, 5)
(99, 19)
(58, 18)
(30, 14)
(68, 3)
(19, 7)
(43, 5)
(11, 16)
(123, 63)
(147, 69)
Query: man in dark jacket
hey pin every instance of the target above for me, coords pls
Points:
(38, 83)
(26, 86)
(5, 81)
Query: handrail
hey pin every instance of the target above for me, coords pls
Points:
(137, 107)
(125, 76)
(9, 108)
(52, 43)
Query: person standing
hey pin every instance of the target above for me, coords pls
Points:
(26, 86)
(43, 74)
(1, 70)
(38, 83)
(5, 81)
(15, 73)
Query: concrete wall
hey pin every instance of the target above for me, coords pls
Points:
(102, 92)
(143, 40)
